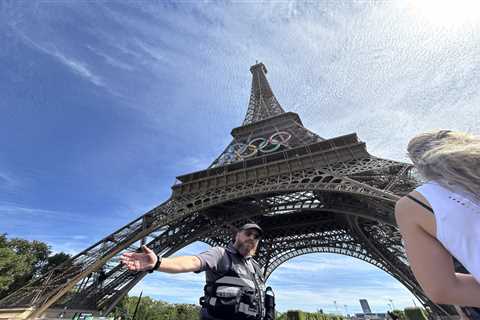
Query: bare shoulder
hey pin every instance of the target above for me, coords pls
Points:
(410, 213)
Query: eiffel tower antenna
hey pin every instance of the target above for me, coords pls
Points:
(309, 194)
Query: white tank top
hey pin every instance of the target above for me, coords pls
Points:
(457, 216)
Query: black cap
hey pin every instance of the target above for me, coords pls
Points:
(252, 226)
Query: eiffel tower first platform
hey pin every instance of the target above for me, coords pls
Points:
(309, 194)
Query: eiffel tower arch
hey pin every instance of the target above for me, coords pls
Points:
(309, 194)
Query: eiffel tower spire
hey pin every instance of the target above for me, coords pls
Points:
(267, 128)
(263, 103)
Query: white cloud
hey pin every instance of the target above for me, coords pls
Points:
(13, 209)
(69, 247)
(9, 182)
(194, 163)
(325, 264)
(79, 237)
(111, 60)
(5, 178)
(78, 67)
(9, 209)
(322, 298)
(170, 292)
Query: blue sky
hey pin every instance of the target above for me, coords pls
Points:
(103, 104)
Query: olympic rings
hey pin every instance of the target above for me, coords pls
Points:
(240, 151)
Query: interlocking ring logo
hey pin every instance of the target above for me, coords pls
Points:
(240, 151)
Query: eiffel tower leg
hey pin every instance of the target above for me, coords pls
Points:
(194, 229)
(179, 234)
(124, 291)
(396, 268)
(44, 292)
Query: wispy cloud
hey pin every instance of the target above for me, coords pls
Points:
(317, 264)
(173, 292)
(69, 244)
(76, 66)
(9, 209)
(358, 82)
(193, 163)
(63, 230)
(323, 298)
(69, 247)
(111, 60)
(8, 181)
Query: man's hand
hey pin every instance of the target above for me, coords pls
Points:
(142, 261)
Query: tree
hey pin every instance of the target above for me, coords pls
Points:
(400, 314)
(55, 260)
(21, 260)
(150, 309)
(415, 314)
(12, 265)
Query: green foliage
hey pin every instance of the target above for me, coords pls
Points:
(415, 314)
(55, 260)
(294, 315)
(149, 309)
(302, 315)
(22, 260)
(10, 266)
(400, 314)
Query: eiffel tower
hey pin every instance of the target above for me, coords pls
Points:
(310, 194)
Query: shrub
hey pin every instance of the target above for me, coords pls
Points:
(415, 314)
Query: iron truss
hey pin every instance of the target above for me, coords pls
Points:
(309, 194)
(263, 103)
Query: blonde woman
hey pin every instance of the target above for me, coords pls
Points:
(441, 218)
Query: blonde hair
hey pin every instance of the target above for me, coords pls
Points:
(449, 158)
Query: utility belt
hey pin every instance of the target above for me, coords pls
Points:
(238, 303)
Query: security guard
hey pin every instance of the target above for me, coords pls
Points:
(235, 287)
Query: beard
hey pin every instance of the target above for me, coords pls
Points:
(246, 248)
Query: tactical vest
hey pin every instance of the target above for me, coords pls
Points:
(238, 293)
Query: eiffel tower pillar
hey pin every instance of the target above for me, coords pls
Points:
(309, 194)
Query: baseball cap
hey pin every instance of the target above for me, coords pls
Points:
(252, 226)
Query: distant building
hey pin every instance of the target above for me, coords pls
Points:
(370, 316)
(365, 307)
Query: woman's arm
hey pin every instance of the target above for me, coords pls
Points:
(431, 263)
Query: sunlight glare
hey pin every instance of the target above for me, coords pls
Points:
(447, 13)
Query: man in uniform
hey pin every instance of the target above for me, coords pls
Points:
(235, 287)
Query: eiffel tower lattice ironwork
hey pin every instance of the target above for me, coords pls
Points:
(310, 194)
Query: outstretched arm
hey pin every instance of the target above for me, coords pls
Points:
(145, 260)
(431, 263)
(180, 264)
